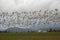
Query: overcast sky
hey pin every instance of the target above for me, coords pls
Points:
(29, 4)
(10, 5)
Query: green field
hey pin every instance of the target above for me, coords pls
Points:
(30, 36)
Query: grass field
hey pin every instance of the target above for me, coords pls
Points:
(30, 36)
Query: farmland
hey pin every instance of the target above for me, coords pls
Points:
(30, 36)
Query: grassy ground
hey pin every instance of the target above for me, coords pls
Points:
(30, 36)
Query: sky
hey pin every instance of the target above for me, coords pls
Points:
(13, 5)
(28, 4)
